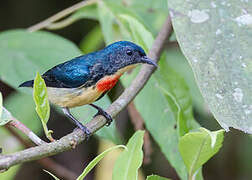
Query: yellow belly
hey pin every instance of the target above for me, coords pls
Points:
(72, 97)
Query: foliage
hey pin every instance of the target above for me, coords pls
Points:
(198, 147)
(98, 158)
(130, 160)
(216, 39)
(40, 97)
(92, 164)
(213, 36)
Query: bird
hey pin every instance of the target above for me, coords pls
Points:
(87, 78)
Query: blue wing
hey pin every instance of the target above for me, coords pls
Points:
(71, 74)
(81, 71)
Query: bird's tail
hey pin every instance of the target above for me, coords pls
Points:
(27, 84)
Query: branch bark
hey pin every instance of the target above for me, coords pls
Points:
(69, 141)
(47, 163)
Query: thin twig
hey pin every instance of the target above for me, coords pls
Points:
(31, 135)
(61, 24)
(47, 163)
(60, 15)
(138, 123)
(66, 142)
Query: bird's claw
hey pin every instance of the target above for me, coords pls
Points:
(86, 131)
(106, 115)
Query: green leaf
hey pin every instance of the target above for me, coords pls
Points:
(149, 12)
(167, 89)
(55, 177)
(108, 23)
(129, 161)
(28, 53)
(97, 159)
(178, 62)
(40, 97)
(156, 177)
(216, 40)
(197, 148)
(177, 94)
(136, 28)
(92, 41)
(152, 13)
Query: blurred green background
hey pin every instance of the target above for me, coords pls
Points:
(233, 162)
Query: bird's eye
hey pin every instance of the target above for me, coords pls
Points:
(129, 52)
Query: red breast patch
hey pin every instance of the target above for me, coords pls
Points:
(107, 83)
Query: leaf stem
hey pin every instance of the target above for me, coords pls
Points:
(61, 14)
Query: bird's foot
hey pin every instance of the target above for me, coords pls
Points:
(106, 115)
(103, 113)
(84, 129)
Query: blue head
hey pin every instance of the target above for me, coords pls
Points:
(125, 53)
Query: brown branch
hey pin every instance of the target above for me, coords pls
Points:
(76, 137)
(46, 163)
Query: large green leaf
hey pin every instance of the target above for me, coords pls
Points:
(216, 38)
(197, 148)
(177, 95)
(152, 13)
(109, 22)
(129, 161)
(178, 62)
(167, 102)
(24, 53)
(149, 12)
(40, 97)
(92, 41)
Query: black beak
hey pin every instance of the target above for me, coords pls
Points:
(147, 60)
